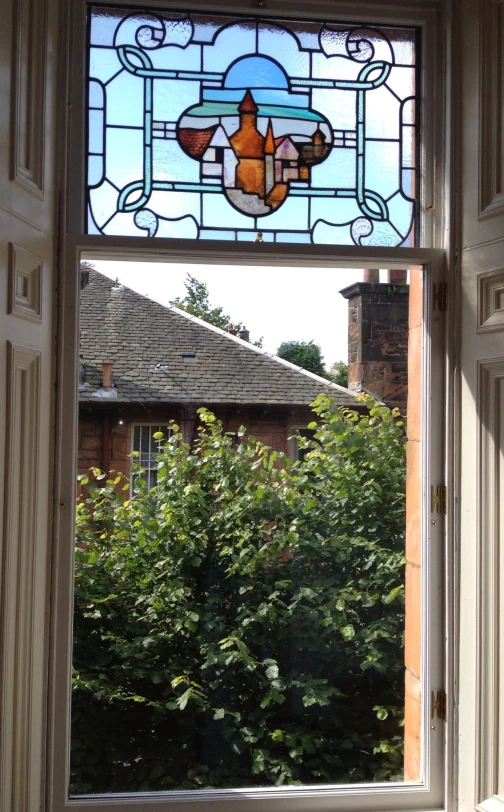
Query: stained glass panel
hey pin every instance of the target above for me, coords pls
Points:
(216, 127)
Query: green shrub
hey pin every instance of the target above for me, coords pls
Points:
(241, 624)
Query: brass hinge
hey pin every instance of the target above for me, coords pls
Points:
(440, 297)
(438, 499)
(438, 705)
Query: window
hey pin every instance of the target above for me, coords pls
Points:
(303, 129)
(110, 239)
(145, 446)
(298, 452)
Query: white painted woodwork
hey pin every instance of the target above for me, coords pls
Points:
(27, 281)
(480, 30)
(28, 139)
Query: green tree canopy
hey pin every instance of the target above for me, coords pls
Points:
(197, 303)
(304, 354)
(241, 623)
(338, 373)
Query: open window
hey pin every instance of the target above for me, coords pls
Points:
(257, 220)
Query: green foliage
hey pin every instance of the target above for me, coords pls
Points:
(197, 303)
(338, 373)
(304, 354)
(241, 623)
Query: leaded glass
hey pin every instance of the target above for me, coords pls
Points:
(217, 127)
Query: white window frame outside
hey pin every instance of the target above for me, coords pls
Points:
(138, 459)
(433, 791)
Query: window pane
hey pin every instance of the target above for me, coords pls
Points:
(241, 600)
(301, 130)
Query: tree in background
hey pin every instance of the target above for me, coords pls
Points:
(308, 355)
(338, 373)
(241, 623)
(304, 354)
(197, 303)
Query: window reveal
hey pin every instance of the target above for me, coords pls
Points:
(306, 131)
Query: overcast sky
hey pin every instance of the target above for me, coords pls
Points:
(280, 304)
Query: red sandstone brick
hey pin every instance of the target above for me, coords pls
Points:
(415, 384)
(88, 427)
(86, 454)
(120, 467)
(412, 728)
(413, 502)
(416, 299)
(91, 443)
(120, 448)
(413, 632)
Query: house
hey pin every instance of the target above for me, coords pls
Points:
(144, 364)
(462, 216)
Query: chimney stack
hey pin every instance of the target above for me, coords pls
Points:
(245, 334)
(378, 327)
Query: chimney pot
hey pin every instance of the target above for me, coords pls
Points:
(398, 277)
(107, 375)
(371, 275)
(245, 334)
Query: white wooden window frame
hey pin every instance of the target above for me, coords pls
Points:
(159, 426)
(433, 790)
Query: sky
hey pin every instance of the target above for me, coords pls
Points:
(277, 304)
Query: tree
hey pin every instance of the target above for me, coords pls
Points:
(197, 302)
(304, 354)
(241, 622)
(338, 373)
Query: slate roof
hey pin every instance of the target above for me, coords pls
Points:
(145, 342)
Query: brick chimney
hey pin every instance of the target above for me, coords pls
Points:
(378, 326)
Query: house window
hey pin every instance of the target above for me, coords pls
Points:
(306, 130)
(146, 446)
(298, 451)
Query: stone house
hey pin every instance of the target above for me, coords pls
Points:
(143, 364)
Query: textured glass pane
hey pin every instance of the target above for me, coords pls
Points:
(234, 125)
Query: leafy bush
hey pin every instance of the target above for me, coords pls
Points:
(241, 623)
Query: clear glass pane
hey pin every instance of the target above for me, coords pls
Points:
(252, 108)
(242, 615)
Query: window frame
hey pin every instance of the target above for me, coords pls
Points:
(431, 793)
(159, 427)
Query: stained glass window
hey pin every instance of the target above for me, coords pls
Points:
(205, 126)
